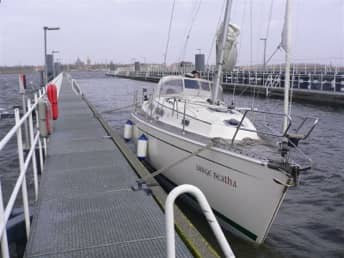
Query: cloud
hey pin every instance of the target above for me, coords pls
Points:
(120, 30)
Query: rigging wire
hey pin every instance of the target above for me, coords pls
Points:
(243, 18)
(194, 16)
(186, 31)
(242, 25)
(269, 19)
(169, 30)
(251, 33)
(272, 55)
(251, 49)
(214, 38)
(244, 11)
(268, 32)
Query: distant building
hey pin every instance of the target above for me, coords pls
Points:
(112, 66)
(137, 66)
(200, 62)
(183, 66)
(79, 64)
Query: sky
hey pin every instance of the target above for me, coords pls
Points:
(123, 31)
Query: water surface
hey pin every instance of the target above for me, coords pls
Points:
(310, 222)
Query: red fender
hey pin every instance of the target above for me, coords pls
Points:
(52, 96)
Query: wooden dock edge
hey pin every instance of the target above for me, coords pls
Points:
(196, 243)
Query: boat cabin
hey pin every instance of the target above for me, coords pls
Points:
(178, 85)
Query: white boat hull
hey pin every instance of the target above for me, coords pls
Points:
(244, 193)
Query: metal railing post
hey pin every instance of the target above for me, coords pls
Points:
(36, 112)
(39, 139)
(183, 121)
(26, 131)
(4, 243)
(151, 106)
(33, 159)
(135, 100)
(21, 169)
(207, 211)
(42, 92)
(238, 127)
(45, 147)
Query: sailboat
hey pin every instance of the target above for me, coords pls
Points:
(193, 138)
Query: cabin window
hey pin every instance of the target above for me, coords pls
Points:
(196, 85)
(205, 86)
(171, 87)
(191, 84)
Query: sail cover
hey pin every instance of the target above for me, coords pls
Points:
(285, 29)
(230, 49)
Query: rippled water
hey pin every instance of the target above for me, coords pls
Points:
(10, 98)
(9, 166)
(310, 222)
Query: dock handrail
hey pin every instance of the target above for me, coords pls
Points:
(24, 162)
(207, 211)
(76, 87)
(23, 166)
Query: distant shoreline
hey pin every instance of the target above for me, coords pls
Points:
(68, 67)
(18, 69)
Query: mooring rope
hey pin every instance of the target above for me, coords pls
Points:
(117, 109)
(164, 169)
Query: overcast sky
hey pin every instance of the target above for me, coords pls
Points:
(124, 30)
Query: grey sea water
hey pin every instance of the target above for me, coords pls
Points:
(9, 99)
(310, 222)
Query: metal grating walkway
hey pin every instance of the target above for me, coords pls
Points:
(86, 207)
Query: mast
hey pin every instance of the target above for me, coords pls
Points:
(219, 66)
(286, 37)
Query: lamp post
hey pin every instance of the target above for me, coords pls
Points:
(264, 59)
(45, 28)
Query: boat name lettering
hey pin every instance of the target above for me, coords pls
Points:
(203, 170)
(216, 176)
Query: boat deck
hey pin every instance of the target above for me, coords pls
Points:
(86, 207)
(261, 150)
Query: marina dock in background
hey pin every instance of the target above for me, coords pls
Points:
(314, 87)
(88, 205)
